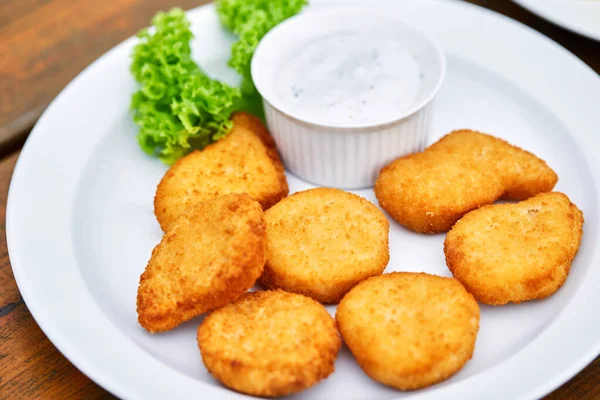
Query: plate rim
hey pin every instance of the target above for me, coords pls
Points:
(105, 381)
(539, 9)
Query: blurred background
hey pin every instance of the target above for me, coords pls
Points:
(44, 44)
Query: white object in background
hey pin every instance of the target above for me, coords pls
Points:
(337, 131)
(579, 16)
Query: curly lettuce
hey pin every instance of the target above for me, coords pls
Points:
(178, 107)
(250, 20)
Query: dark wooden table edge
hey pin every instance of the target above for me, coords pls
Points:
(17, 131)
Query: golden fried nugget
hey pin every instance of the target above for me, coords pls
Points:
(211, 255)
(515, 252)
(322, 242)
(409, 330)
(269, 343)
(245, 161)
(429, 191)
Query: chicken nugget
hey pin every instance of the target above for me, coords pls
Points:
(322, 242)
(269, 343)
(409, 330)
(506, 253)
(245, 161)
(429, 191)
(211, 255)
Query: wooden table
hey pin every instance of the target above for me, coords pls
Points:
(45, 43)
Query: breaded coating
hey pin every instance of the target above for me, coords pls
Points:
(409, 330)
(429, 191)
(322, 242)
(269, 343)
(246, 161)
(211, 255)
(506, 253)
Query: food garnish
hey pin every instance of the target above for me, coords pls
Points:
(178, 107)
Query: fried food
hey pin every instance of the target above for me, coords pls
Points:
(429, 191)
(515, 252)
(269, 343)
(322, 242)
(409, 330)
(246, 161)
(211, 255)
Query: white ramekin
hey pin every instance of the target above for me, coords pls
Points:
(344, 156)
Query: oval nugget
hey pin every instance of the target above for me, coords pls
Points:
(322, 242)
(269, 343)
(409, 330)
(245, 161)
(211, 255)
(515, 252)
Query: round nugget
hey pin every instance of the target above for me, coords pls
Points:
(322, 242)
(269, 343)
(515, 252)
(409, 330)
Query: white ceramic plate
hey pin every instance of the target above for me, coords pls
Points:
(80, 221)
(579, 16)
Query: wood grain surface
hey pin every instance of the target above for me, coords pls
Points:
(45, 43)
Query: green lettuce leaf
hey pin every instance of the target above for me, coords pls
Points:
(177, 106)
(250, 20)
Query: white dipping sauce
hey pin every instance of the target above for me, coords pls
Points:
(350, 78)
